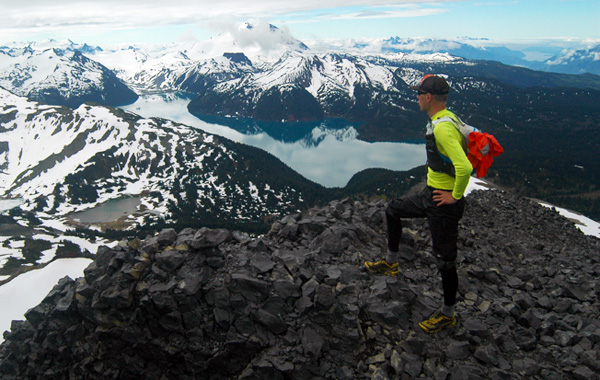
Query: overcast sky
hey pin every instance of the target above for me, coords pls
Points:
(135, 21)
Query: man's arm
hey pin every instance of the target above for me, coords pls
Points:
(443, 197)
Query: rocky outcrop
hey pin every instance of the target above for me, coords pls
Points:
(296, 303)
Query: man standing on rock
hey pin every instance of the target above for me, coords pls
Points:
(441, 201)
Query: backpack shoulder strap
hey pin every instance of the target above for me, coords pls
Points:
(460, 126)
(444, 118)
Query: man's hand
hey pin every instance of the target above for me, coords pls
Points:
(441, 197)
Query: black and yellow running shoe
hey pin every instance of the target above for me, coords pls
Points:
(437, 322)
(382, 267)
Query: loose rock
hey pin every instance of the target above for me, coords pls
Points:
(297, 303)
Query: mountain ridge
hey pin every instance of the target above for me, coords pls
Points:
(94, 153)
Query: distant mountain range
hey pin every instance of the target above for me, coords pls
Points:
(574, 62)
(230, 78)
(566, 61)
(465, 49)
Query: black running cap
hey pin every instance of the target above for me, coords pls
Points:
(432, 84)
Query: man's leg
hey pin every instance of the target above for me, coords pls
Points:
(407, 206)
(412, 205)
(443, 223)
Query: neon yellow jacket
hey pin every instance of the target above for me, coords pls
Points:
(449, 143)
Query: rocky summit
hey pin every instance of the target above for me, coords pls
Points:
(296, 303)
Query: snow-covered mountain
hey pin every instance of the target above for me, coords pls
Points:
(62, 160)
(465, 48)
(275, 78)
(62, 77)
(290, 82)
(248, 72)
(302, 86)
(254, 71)
(186, 66)
(356, 87)
(535, 55)
(575, 61)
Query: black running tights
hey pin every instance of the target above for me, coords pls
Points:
(443, 224)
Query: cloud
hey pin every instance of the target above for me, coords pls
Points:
(45, 15)
(187, 36)
(383, 13)
(255, 33)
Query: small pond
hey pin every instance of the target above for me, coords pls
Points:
(7, 204)
(109, 211)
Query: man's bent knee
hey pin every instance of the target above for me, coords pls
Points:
(394, 210)
(444, 265)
